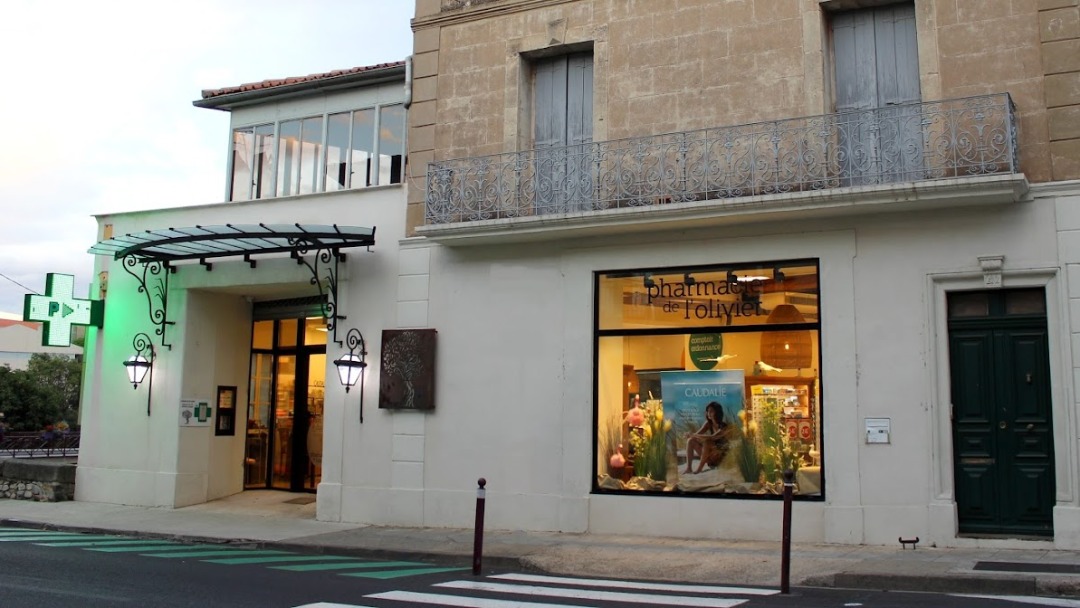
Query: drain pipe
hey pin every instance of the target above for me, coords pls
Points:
(408, 82)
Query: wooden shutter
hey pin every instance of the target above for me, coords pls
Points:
(550, 103)
(876, 58)
(579, 99)
(855, 61)
(563, 116)
(897, 55)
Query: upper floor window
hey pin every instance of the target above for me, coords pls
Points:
(562, 108)
(324, 153)
(876, 69)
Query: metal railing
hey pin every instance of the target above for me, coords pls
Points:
(39, 445)
(973, 136)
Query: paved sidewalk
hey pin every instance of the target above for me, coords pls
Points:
(272, 518)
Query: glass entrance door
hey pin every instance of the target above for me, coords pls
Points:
(316, 384)
(285, 411)
(284, 422)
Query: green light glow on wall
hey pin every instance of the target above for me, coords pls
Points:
(58, 310)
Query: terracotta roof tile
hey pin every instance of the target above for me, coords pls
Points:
(278, 82)
(11, 322)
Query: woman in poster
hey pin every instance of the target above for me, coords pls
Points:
(709, 443)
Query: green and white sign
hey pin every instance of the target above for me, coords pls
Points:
(195, 412)
(58, 310)
(706, 350)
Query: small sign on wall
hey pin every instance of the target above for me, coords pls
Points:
(878, 430)
(226, 411)
(195, 412)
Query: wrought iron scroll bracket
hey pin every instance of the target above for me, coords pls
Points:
(357, 346)
(154, 284)
(144, 347)
(324, 269)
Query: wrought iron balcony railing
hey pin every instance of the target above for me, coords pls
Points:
(967, 137)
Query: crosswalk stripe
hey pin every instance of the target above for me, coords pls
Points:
(331, 605)
(454, 600)
(26, 532)
(143, 547)
(78, 539)
(216, 553)
(343, 566)
(400, 573)
(563, 580)
(275, 559)
(26, 539)
(1026, 599)
(585, 594)
(85, 544)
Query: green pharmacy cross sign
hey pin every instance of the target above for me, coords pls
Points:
(58, 310)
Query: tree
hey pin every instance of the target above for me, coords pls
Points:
(27, 406)
(61, 377)
(43, 394)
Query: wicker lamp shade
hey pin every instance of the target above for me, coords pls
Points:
(787, 349)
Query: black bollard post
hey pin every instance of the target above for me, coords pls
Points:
(478, 534)
(785, 551)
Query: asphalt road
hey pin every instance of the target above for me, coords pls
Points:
(55, 569)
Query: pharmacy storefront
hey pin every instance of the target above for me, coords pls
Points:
(660, 384)
(708, 379)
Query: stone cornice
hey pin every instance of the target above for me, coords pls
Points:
(484, 11)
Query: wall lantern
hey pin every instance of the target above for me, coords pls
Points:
(350, 366)
(137, 366)
(140, 364)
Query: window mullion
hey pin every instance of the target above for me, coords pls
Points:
(349, 151)
(320, 163)
(272, 190)
(376, 163)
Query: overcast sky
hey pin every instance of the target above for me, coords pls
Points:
(97, 97)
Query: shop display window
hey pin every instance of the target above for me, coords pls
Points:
(707, 380)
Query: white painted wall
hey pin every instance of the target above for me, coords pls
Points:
(515, 377)
(515, 371)
(1065, 198)
(216, 353)
(129, 458)
(315, 103)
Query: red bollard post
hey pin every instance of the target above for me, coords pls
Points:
(785, 551)
(478, 534)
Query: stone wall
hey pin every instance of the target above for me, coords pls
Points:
(51, 480)
(1059, 31)
(662, 66)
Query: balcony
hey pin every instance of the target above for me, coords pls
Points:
(933, 154)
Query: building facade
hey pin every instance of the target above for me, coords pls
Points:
(662, 251)
(692, 243)
(231, 314)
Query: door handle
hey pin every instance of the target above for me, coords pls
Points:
(1030, 427)
(1003, 425)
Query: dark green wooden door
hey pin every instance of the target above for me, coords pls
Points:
(1002, 433)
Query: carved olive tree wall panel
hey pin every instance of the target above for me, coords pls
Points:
(407, 369)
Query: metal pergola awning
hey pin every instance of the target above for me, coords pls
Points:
(206, 242)
(155, 251)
